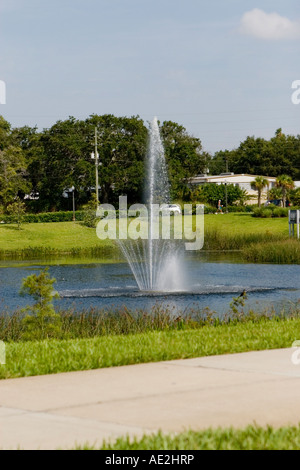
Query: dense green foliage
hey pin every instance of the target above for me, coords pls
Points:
(47, 164)
(212, 193)
(258, 156)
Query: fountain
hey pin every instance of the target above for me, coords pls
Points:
(156, 263)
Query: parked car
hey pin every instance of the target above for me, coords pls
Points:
(170, 208)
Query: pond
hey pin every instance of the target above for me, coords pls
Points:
(212, 282)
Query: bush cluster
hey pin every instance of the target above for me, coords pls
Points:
(270, 211)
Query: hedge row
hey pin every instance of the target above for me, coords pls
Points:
(208, 209)
(80, 215)
(44, 217)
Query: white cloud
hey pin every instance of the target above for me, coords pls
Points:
(272, 26)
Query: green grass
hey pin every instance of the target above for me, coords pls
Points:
(237, 231)
(94, 322)
(241, 224)
(282, 252)
(248, 438)
(54, 356)
(57, 236)
(222, 232)
(53, 239)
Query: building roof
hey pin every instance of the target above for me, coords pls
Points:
(228, 177)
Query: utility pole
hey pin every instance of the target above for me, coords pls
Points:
(96, 163)
(73, 198)
(96, 157)
(74, 218)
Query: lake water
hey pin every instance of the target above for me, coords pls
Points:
(210, 283)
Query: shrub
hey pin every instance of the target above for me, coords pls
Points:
(17, 211)
(90, 212)
(208, 209)
(43, 322)
(236, 208)
(262, 212)
(280, 212)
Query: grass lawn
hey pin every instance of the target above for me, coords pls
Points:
(241, 223)
(249, 438)
(56, 235)
(54, 356)
(67, 236)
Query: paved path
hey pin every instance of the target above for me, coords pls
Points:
(57, 411)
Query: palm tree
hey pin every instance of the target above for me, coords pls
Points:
(259, 184)
(284, 182)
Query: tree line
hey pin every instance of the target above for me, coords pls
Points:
(257, 156)
(45, 164)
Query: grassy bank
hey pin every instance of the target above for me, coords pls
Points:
(54, 356)
(225, 232)
(283, 251)
(248, 438)
(34, 241)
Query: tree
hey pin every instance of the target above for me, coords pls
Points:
(212, 193)
(17, 210)
(184, 156)
(29, 140)
(220, 163)
(5, 129)
(66, 159)
(274, 157)
(43, 322)
(259, 184)
(122, 144)
(294, 196)
(13, 174)
(286, 183)
(64, 162)
(90, 212)
(275, 193)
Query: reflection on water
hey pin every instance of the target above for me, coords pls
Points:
(212, 282)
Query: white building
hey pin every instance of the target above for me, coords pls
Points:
(243, 181)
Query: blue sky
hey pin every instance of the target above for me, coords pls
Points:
(222, 69)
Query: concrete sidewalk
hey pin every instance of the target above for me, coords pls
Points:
(57, 411)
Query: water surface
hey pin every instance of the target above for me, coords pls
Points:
(209, 282)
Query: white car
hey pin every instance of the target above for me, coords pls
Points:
(170, 209)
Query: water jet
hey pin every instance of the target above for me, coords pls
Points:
(156, 263)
